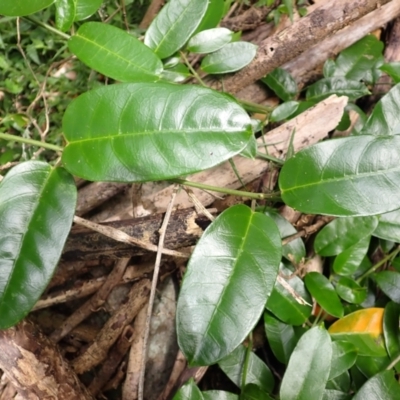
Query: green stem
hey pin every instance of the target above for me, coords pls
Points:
(233, 192)
(246, 361)
(47, 26)
(38, 143)
(270, 158)
(390, 256)
(254, 107)
(192, 70)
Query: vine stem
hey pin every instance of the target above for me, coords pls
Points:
(192, 70)
(390, 256)
(33, 142)
(233, 192)
(48, 27)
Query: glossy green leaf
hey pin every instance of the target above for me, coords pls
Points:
(257, 371)
(360, 61)
(350, 176)
(350, 291)
(324, 293)
(173, 25)
(213, 15)
(342, 233)
(344, 355)
(189, 391)
(209, 40)
(308, 369)
(391, 333)
(392, 69)
(65, 14)
(329, 68)
(371, 366)
(146, 131)
(254, 392)
(177, 73)
(340, 86)
(348, 261)
(219, 395)
(230, 58)
(364, 329)
(385, 117)
(330, 394)
(381, 386)
(389, 283)
(284, 111)
(283, 305)
(231, 272)
(294, 250)
(19, 8)
(389, 226)
(281, 337)
(342, 382)
(115, 53)
(282, 83)
(86, 8)
(37, 205)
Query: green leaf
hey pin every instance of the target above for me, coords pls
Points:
(350, 291)
(324, 293)
(389, 283)
(219, 395)
(213, 15)
(282, 83)
(340, 86)
(359, 61)
(115, 53)
(177, 73)
(389, 226)
(86, 8)
(385, 118)
(283, 305)
(392, 69)
(308, 369)
(363, 328)
(347, 176)
(341, 382)
(230, 58)
(284, 111)
(147, 131)
(335, 395)
(65, 14)
(209, 40)
(19, 8)
(174, 24)
(344, 355)
(294, 250)
(371, 366)
(281, 337)
(189, 391)
(257, 371)
(254, 392)
(348, 261)
(37, 204)
(380, 386)
(329, 68)
(391, 333)
(231, 273)
(343, 233)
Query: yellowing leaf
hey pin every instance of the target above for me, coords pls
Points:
(363, 328)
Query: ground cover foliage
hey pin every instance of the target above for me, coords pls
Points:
(137, 119)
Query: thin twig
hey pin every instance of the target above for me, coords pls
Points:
(123, 237)
(162, 231)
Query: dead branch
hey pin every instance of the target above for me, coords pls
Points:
(302, 35)
(35, 366)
